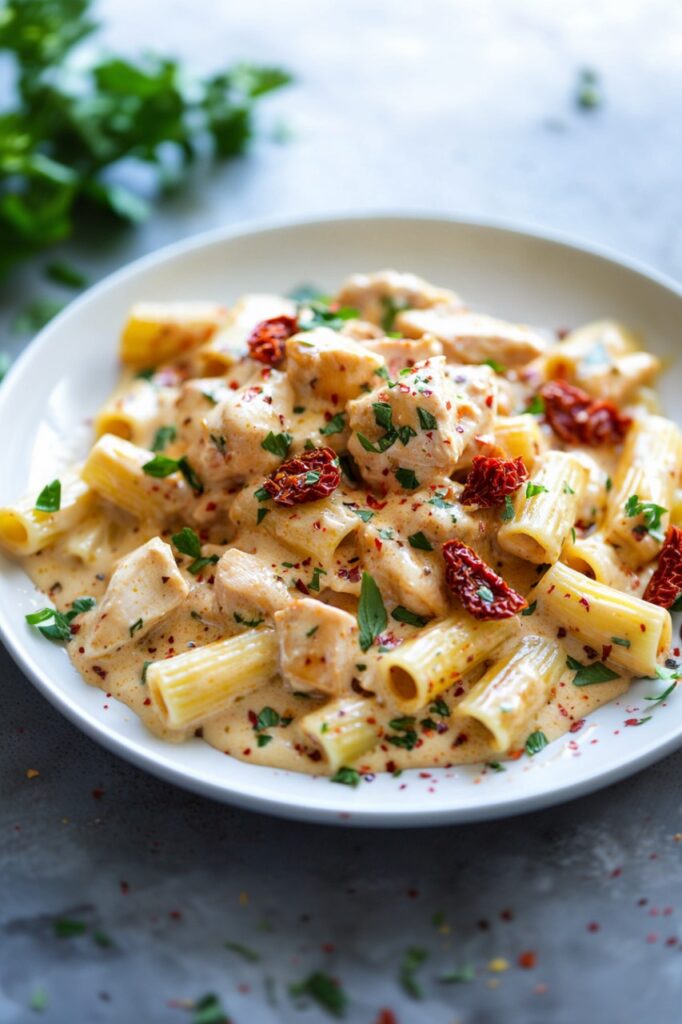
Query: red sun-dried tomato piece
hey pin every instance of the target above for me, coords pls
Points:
(268, 339)
(306, 477)
(578, 418)
(484, 594)
(491, 480)
(665, 586)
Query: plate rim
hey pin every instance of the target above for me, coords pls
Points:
(280, 804)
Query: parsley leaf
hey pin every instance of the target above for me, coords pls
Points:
(427, 421)
(278, 444)
(163, 437)
(536, 406)
(49, 499)
(336, 425)
(530, 609)
(413, 959)
(533, 489)
(494, 365)
(324, 990)
(346, 777)
(651, 514)
(187, 542)
(419, 541)
(407, 478)
(536, 742)
(402, 614)
(507, 513)
(587, 675)
(372, 616)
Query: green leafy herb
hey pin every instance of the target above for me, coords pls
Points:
(363, 513)
(407, 478)
(312, 631)
(261, 494)
(261, 514)
(336, 425)
(38, 1000)
(57, 625)
(567, 489)
(372, 617)
(146, 664)
(278, 444)
(267, 718)
(414, 958)
(251, 623)
(587, 675)
(163, 437)
(402, 614)
(49, 499)
(383, 415)
(67, 928)
(427, 421)
(659, 697)
(486, 595)
(65, 273)
(651, 514)
(439, 501)
(391, 307)
(145, 374)
(495, 766)
(609, 484)
(263, 739)
(346, 777)
(323, 312)
(208, 1010)
(132, 630)
(219, 442)
(439, 707)
(83, 604)
(78, 116)
(315, 581)
(533, 489)
(323, 990)
(101, 939)
(210, 397)
(507, 513)
(620, 641)
(348, 467)
(530, 609)
(419, 541)
(494, 365)
(536, 406)
(244, 952)
(160, 466)
(187, 542)
(536, 742)
(386, 533)
(460, 976)
(588, 93)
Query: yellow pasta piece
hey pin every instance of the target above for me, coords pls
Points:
(596, 558)
(542, 519)
(316, 529)
(114, 470)
(158, 331)
(229, 344)
(195, 686)
(602, 358)
(343, 730)
(513, 690)
(416, 672)
(135, 410)
(520, 436)
(636, 631)
(23, 530)
(649, 468)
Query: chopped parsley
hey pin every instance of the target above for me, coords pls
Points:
(336, 425)
(383, 415)
(267, 719)
(372, 617)
(588, 93)
(657, 698)
(620, 641)
(323, 990)
(407, 478)
(587, 675)
(439, 500)
(312, 631)
(136, 626)
(243, 951)
(219, 442)
(494, 365)
(145, 666)
(209, 1010)
(251, 623)
(67, 928)
(533, 489)
(49, 499)
(486, 595)
(363, 513)
(536, 742)
(346, 777)
(439, 707)
(567, 489)
(536, 406)
(278, 444)
(261, 514)
(402, 614)
(427, 421)
(414, 958)
(465, 973)
(163, 437)
(325, 313)
(57, 625)
(261, 494)
(161, 466)
(419, 541)
(348, 467)
(315, 581)
(530, 609)
(495, 766)
(391, 307)
(651, 514)
(507, 513)
(188, 543)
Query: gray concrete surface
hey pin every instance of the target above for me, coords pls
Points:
(438, 105)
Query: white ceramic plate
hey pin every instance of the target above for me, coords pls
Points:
(69, 369)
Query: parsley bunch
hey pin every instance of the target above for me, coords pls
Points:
(76, 122)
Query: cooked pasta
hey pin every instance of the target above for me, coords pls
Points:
(364, 532)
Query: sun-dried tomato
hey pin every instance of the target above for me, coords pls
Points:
(484, 594)
(580, 419)
(665, 586)
(267, 340)
(306, 477)
(492, 480)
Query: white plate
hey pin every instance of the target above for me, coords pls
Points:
(70, 368)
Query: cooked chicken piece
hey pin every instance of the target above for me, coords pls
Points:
(318, 646)
(196, 399)
(473, 337)
(421, 426)
(378, 297)
(361, 330)
(247, 589)
(230, 449)
(330, 366)
(402, 352)
(145, 586)
(405, 575)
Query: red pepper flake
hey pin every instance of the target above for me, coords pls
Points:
(665, 585)
(386, 1017)
(492, 480)
(97, 794)
(175, 915)
(632, 721)
(584, 602)
(147, 701)
(125, 888)
(577, 726)
(413, 893)
(528, 960)
(99, 671)
(593, 926)
(578, 418)
(606, 651)
(483, 593)
(372, 502)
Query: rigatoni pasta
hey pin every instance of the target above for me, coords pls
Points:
(365, 532)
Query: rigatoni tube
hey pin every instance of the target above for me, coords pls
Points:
(636, 631)
(114, 470)
(513, 690)
(545, 509)
(200, 683)
(417, 671)
(343, 730)
(24, 530)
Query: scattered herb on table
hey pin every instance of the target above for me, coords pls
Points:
(413, 959)
(325, 991)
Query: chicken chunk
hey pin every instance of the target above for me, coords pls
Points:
(473, 337)
(330, 366)
(230, 449)
(145, 586)
(378, 297)
(402, 352)
(318, 646)
(247, 589)
(405, 575)
(420, 427)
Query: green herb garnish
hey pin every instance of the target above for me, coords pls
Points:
(278, 444)
(407, 478)
(587, 675)
(163, 437)
(49, 499)
(346, 777)
(651, 514)
(336, 425)
(372, 617)
(419, 541)
(402, 614)
(536, 742)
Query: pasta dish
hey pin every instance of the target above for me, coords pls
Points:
(364, 532)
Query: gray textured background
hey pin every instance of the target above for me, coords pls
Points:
(439, 105)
